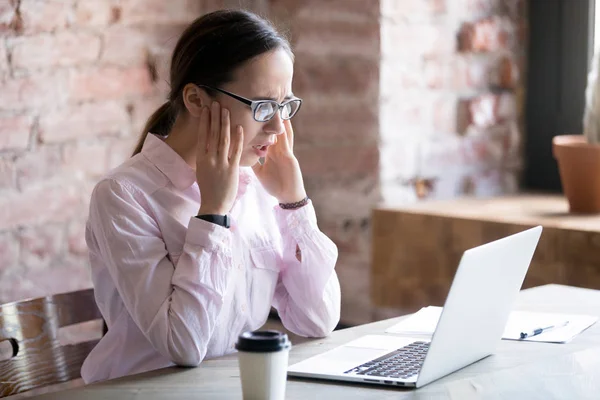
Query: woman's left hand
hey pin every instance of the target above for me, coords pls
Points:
(280, 174)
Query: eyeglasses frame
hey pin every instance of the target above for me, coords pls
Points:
(254, 104)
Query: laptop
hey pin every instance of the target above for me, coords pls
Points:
(475, 313)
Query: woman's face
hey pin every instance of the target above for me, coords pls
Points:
(268, 76)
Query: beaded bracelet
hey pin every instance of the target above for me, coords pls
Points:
(293, 206)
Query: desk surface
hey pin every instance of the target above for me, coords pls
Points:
(517, 370)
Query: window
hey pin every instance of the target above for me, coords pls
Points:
(561, 37)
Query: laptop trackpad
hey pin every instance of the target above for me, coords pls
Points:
(337, 360)
(346, 357)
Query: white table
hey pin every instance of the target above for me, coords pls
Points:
(518, 370)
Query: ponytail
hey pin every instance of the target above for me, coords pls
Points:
(160, 123)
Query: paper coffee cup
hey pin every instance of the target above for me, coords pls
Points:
(263, 363)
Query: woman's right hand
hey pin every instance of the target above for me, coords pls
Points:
(217, 160)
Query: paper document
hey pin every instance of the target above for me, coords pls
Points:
(424, 321)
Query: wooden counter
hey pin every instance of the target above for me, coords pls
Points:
(416, 248)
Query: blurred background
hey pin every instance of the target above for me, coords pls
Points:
(405, 101)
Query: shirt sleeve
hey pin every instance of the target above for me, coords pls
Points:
(307, 296)
(175, 306)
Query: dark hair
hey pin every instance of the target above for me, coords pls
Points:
(208, 52)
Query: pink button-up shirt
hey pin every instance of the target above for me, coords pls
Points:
(175, 289)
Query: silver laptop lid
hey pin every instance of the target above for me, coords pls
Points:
(478, 304)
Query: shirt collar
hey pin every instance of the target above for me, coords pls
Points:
(177, 170)
(168, 162)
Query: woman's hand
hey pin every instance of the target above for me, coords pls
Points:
(280, 174)
(217, 160)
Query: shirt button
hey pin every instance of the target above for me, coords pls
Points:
(243, 307)
(239, 266)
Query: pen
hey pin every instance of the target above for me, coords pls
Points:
(541, 330)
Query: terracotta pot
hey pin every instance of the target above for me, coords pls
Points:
(579, 167)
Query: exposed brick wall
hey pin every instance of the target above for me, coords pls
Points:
(397, 91)
(386, 83)
(76, 86)
(337, 74)
(451, 96)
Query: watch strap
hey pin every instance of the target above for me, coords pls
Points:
(222, 220)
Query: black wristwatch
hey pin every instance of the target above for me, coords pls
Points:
(222, 220)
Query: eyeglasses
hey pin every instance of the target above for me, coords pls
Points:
(264, 110)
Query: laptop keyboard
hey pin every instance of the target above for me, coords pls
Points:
(402, 363)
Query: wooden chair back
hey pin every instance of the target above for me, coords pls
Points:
(31, 327)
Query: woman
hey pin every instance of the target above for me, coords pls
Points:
(192, 240)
